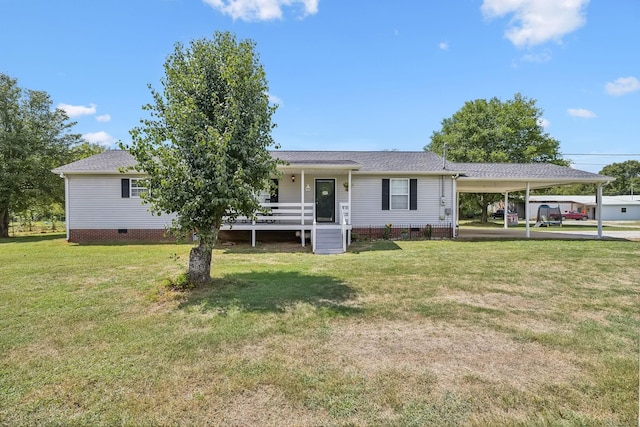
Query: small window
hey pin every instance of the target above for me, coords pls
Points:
(399, 192)
(623, 210)
(136, 188)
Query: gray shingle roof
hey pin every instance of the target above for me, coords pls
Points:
(374, 162)
(366, 161)
(106, 162)
(520, 171)
(369, 161)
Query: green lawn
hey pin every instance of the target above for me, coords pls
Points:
(392, 333)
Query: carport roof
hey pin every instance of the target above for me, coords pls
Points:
(509, 177)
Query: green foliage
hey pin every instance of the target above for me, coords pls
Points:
(386, 234)
(627, 179)
(627, 175)
(495, 131)
(179, 284)
(205, 145)
(84, 150)
(34, 138)
(569, 190)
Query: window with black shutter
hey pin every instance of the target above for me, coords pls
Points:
(124, 183)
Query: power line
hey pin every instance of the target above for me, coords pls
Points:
(602, 155)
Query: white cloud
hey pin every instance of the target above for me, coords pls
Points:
(103, 118)
(274, 99)
(622, 86)
(536, 22)
(101, 138)
(262, 10)
(581, 113)
(78, 110)
(443, 46)
(537, 58)
(544, 123)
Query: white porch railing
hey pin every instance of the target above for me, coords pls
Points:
(301, 213)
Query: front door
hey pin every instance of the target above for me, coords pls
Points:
(325, 200)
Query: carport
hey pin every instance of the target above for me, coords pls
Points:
(505, 178)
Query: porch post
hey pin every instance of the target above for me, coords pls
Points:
(506, 209)
(302, 207)
(349, 196)
(302, 197)
(526, 211)
(599, 209)
(454, 202)
(253, 234)
(349, 202)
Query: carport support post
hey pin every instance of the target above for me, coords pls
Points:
(526, 212)
(506, 209)
(599, 209)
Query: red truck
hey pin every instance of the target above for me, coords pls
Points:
(575, 215)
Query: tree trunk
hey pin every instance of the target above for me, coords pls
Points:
(200, 264)
(200, 259)
(4, 222)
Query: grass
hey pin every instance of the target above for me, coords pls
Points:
(392, 333)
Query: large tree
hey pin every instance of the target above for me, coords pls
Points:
(34, 138)
(627, 175)
(205, 145)
(495, 131)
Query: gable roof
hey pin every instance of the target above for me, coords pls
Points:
(472, 177)
(109, 161)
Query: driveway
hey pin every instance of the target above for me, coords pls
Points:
(473, 233)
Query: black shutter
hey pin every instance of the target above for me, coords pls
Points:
(413, 194)
(385, 194)
(124, 183)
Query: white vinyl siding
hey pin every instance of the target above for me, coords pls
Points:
(96, 202)
(367, 210)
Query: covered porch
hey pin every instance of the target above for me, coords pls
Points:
(313, 200)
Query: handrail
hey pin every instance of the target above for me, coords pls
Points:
(313, 229)
(313, 237)
(344, 207)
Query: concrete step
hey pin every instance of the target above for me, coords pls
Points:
(329, 241)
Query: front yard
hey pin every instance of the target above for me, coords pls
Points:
(391, 333)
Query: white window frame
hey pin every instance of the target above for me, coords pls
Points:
(398, 194)
(136, 190)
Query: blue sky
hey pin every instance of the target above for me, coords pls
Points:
(349, 75)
